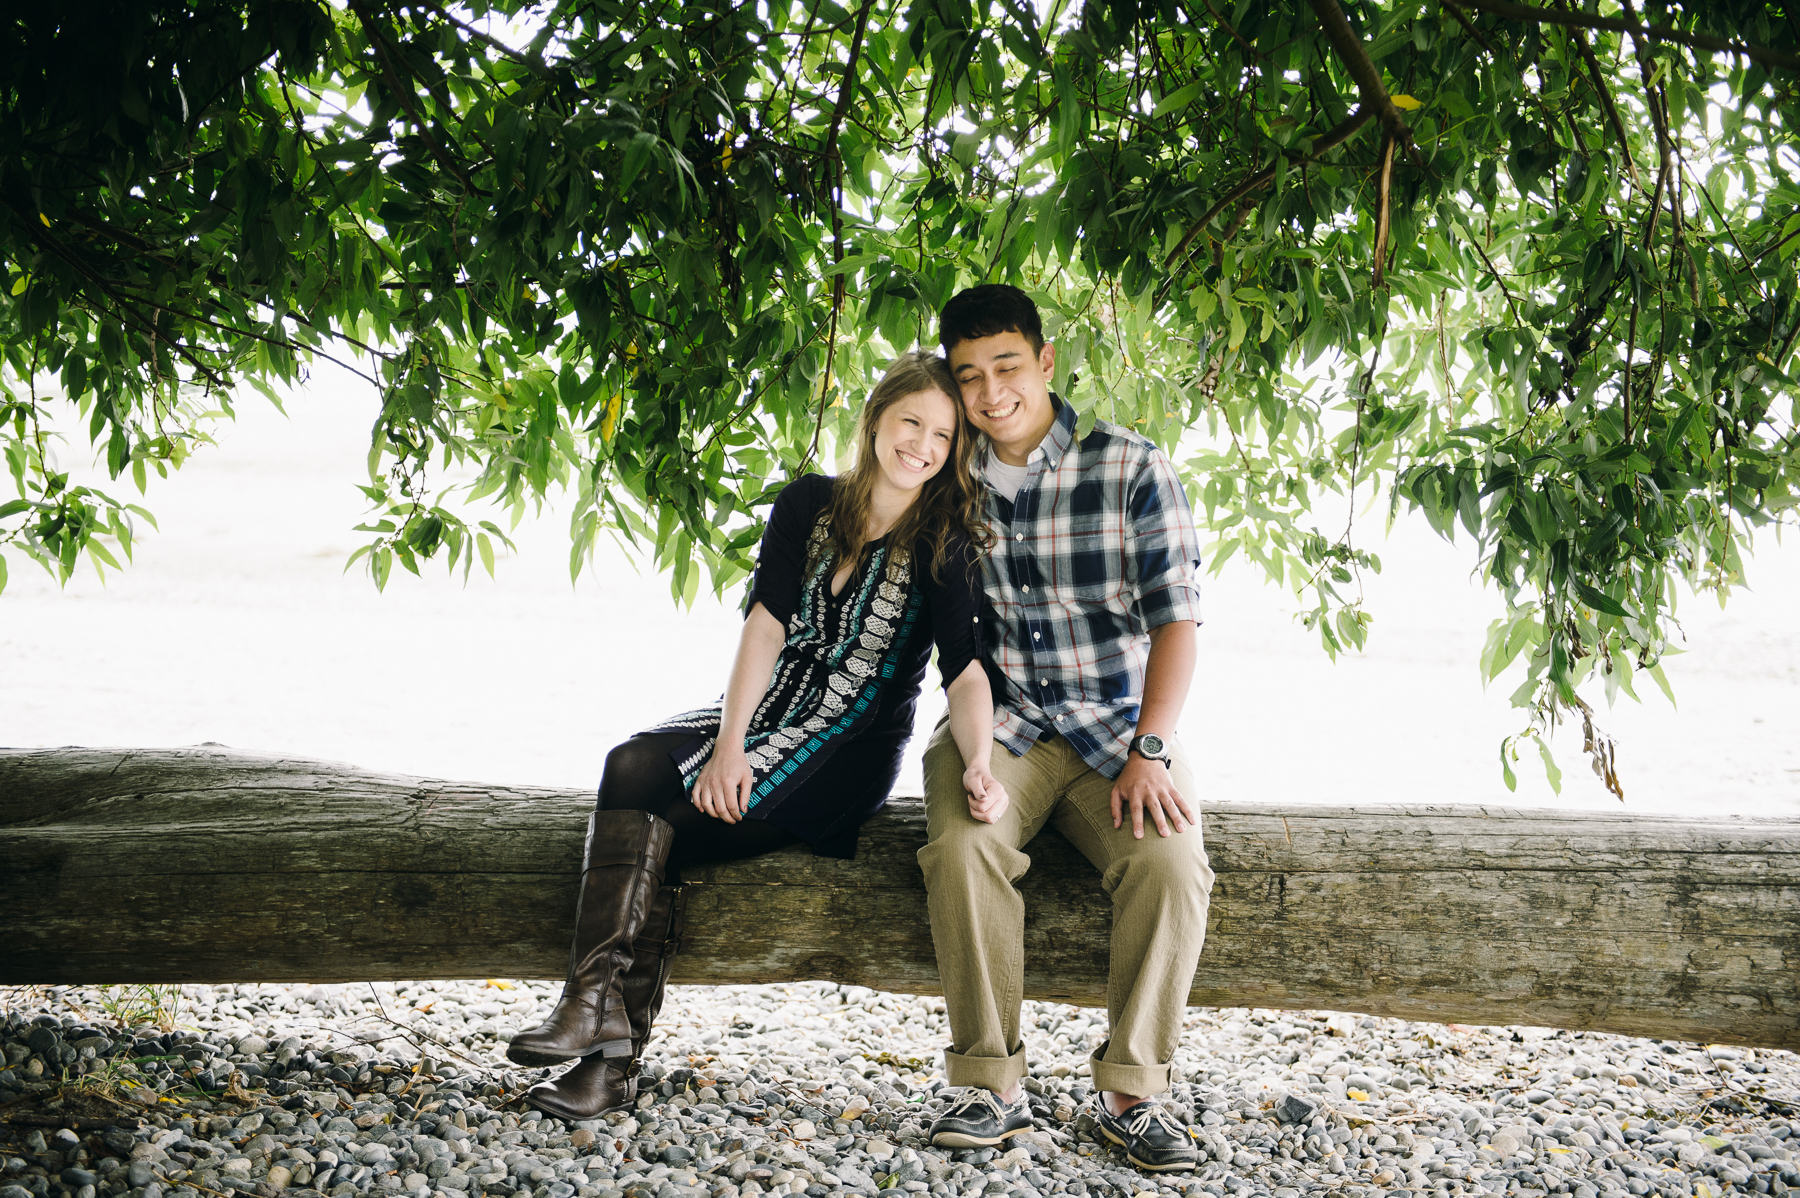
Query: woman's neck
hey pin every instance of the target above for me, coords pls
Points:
(886, 507)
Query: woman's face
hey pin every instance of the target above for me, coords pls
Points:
(914, 437)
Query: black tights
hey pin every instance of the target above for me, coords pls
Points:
(640, 776)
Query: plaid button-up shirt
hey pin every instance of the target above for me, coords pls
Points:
(1097, 548)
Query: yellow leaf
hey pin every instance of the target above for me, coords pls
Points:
(1356, 1094)
(1406, 102)
(45, 219)
(499, 985)
(20, 284)
(610, 421)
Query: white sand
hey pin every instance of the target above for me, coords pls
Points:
(237, 624)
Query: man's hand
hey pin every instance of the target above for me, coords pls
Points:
(723, 788)
(1146, 786)
(987, 798)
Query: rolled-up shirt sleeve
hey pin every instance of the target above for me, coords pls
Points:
(1163, 551)
(954, 598)
(781, 562)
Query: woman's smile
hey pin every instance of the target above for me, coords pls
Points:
(913, 440)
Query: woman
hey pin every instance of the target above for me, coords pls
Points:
(859, 577)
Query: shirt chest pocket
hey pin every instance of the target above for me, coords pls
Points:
(1088, 566)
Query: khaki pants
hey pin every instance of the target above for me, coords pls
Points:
(1159, 888)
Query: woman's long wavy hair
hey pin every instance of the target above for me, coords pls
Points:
(949, 502)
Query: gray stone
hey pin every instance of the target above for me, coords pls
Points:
(14, 1192)
(139, 1173)
(43, 1041)
(75, 1177)
(1297, 1109)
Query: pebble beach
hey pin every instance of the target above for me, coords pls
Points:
(402, 1091)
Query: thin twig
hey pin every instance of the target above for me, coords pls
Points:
(1327, 141)
(1383, 209)
(835, 163)
(1661, 33)
(1606, 103)
(403, 95)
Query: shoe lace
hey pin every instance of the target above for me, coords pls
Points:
(973, 1100)
(1152, 1113)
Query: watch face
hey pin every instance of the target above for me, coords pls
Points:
(1150, 745)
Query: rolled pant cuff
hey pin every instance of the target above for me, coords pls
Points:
(990, 1073)
(1140, 1081)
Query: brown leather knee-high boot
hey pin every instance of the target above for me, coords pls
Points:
(621, 876)
(599, 1083)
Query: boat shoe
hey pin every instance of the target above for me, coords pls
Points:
(1150, 1136)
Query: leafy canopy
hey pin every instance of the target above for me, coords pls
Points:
(1527, 271)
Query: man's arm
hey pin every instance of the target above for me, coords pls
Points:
(1146, 785)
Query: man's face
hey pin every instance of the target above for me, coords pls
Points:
(1006, 391)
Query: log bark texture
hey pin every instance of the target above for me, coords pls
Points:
(202, 864)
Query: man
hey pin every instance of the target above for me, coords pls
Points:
(1091, 581)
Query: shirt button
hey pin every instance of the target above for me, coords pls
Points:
(1019, 537)
(1027, 590)
(1043, 682)
(1036, 636)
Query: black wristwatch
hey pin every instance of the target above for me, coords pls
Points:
(1151, 747)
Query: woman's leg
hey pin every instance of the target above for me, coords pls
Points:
(641, 779)
(621, 875)
(640, 776)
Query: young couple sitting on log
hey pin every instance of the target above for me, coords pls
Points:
(1054, 574)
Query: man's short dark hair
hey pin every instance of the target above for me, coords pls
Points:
(986, 311)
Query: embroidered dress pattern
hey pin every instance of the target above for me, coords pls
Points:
(840, 651)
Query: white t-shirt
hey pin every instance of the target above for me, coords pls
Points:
(1006, 480)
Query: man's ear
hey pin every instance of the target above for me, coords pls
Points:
(1047, 360)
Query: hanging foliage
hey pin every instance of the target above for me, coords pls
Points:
(1528, 272)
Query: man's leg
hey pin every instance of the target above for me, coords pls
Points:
(1160, 887)
(977, 916)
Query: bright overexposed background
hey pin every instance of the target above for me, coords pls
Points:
(237, 624)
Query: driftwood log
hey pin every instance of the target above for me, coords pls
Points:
(202, 864)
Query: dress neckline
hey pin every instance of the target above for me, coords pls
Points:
(837, 597)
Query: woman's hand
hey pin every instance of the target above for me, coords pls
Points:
(987, 798)
(723, 788)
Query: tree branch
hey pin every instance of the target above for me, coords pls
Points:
(1606, 103)
(846, 93)
(1384, 210)
(404, 96)
(1662, 33)
(1362, 69)
(1327, 141)
(531, 64)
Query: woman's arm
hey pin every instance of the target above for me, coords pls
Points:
(723, 788)
(972, 727)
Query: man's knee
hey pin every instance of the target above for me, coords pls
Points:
(1175, 868)
(965, 849)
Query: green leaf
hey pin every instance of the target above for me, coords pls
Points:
(1599, 600)
(1551, 771)
(1662, 683)
(486, 547)
(1180, 98)
(637, 156)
